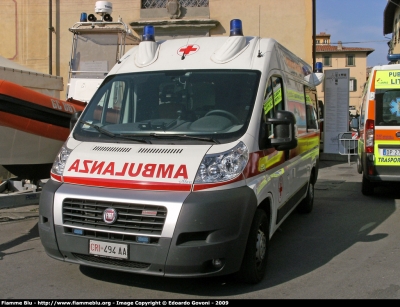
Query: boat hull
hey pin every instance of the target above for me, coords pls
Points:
(33, 127)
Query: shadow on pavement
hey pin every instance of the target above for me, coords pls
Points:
(303, 243)
(31, 234)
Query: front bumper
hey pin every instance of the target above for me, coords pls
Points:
(203, 226)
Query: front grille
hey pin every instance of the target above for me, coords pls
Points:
(110, 261)
(132, 218)
(158, 151)
(100, 235)
(111, 149)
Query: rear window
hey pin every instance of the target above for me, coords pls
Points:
(387, 107)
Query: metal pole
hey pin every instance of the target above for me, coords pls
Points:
(314, 14)
(50, 37)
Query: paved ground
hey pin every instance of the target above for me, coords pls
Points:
(20, 213)
(348, 248)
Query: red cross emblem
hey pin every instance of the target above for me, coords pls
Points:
(280, 187)
(188, 50)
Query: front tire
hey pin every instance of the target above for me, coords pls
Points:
(307, 204)
(255, 257)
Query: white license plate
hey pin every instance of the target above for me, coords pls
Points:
(391, 152)
(108, 249)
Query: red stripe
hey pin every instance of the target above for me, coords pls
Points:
(129, 184)
(56, 177)
(251, 169)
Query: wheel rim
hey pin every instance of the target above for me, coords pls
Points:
(261, 246)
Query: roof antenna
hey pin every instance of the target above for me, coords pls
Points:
(259, 55)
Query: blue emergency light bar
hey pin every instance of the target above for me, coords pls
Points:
(83, 17)
(148, 34)
(236, 28)
(393, 57)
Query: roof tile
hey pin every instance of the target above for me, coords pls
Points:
(330, 48)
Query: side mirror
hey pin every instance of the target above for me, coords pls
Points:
(74, 119)
(284, 130)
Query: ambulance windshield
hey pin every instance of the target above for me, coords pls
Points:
(387, 107)
(199, 104)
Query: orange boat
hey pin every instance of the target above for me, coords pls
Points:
(33, 127)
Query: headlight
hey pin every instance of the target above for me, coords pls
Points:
(223, 166)
(61, 160)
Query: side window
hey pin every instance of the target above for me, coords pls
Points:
(327, 60)
(268, 101)
(273, 101)
(353, 85)
(362, 115)
(311, 108)
(296, 103)
(108, 109)
(278, 93)
(351, 60)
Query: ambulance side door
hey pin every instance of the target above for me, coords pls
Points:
(298, 170)
(313, 129)
(274, 162)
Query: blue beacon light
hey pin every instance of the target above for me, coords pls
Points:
(318, 67)
(236, 28)
(393, 57)
(83, 17)
(148, 34)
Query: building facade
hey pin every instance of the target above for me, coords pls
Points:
(391, 25)
(36, 32)
(338, 57)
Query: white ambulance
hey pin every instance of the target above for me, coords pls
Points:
(187, 159)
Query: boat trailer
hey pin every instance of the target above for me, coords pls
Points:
(17, 193)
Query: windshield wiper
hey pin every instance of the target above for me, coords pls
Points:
(98, 128)
(131, 137)
(113, 135)
(184, 136)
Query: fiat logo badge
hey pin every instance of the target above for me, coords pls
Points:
(110, 215)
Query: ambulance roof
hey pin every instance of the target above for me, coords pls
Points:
(237, 52)
(387, 67)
